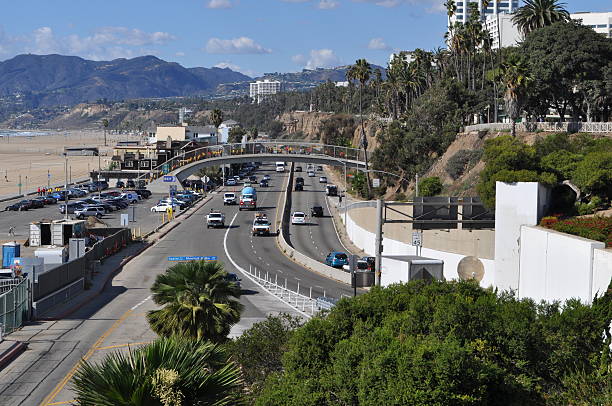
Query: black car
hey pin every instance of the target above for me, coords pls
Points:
(143, 193)
(298, 169)
(120, 184)
(19, 206)
(299, 187)
(316, 211)
(263, 183)
(47, 199)
(319, 168)
(36, 204)
(299, 180)
(130, 183)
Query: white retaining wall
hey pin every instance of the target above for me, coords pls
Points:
(394, 271)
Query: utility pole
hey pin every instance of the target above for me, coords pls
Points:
(19, 184)
(379, 239)
(48, 179)
(66, 188)
(416, 190)
(99, 170)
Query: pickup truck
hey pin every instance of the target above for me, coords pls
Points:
(215, 219)
(261, 226)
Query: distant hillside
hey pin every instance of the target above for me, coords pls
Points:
(47, 80)
(316, 76)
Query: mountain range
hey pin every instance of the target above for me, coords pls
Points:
(47, 80)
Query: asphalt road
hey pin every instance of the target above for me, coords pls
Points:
(22, 219)
(318, 237)
(115, 320)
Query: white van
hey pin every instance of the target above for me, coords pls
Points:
(280, 167)
(131, 197)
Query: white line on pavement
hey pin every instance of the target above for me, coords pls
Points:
(141, 303)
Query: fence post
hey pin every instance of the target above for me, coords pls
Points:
(285, 283)
(310, 294)
(298, 288)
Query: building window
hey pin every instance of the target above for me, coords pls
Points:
(602, 26)
(129, 164)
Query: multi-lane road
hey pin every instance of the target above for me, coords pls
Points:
(116, 319)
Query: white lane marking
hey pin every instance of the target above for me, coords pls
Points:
(141, 303)
(241, 270)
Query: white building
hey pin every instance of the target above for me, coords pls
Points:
(408, 56)
(342, 84)
(600, 22)
(502, 29)
(495, 7)
(262, 88)
(225, 128)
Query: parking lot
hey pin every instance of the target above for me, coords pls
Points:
(144, 218)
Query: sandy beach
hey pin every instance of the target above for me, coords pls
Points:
(38, 160)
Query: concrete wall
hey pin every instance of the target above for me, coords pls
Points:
(174, 133)
(394, 271)
(517, 204)
(557, 266)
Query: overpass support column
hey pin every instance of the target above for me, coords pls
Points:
(379, 245)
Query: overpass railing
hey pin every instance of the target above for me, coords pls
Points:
(253, 148)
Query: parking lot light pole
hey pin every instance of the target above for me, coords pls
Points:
(66, 188)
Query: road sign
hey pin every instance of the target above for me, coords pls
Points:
(375, 182)
(193, 258)
(417, 238)
(168, 178)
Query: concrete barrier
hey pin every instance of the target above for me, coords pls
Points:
(294, 254)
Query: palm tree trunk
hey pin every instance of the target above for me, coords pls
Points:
(513, 128)
(363, 139)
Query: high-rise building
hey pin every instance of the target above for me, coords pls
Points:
(502, 30)
(494, 7)
(600, 22)
(262, 88)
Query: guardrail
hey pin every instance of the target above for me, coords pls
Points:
(14, 306)
(306, 304)
(603, 127)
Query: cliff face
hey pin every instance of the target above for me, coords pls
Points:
(309, 124)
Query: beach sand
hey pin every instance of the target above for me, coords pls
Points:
(33, 158)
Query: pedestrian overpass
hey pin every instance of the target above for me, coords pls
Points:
(176, 170)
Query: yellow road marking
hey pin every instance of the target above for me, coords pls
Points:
(121, 345)
(63, 382)
(60, 403)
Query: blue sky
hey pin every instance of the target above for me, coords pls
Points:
(253, 36)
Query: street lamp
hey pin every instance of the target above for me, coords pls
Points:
(66, 188)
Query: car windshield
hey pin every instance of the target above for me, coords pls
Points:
(261, 223)
(230, 195)
(341, 256)
(298, 214)
(215, 214)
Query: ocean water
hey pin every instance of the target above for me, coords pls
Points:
(23, 133)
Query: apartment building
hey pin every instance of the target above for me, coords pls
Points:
(600, 22)
(260, 89)
(495, 7)
(502, 29)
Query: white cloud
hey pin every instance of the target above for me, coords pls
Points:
(299, 59)
(379, 44)
(217, 4)
(242, 45)
(103, 43)
(322, 58)
(236, 68)
(179, 53)
(327, 4)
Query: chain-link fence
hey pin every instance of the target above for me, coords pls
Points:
(14, 305)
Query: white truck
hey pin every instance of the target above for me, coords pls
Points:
(261, 224)
(229, 198)
(215, 219)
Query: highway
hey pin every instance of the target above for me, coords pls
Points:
(115, 320)
(318, 237)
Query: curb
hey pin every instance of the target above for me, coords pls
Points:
(13, 352)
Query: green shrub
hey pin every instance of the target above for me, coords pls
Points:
(590, 207)
(430, 186)
(594, 228)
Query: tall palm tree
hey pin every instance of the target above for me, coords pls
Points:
(539, 13)
(199, 302)
(361, 72)
(514, 77)
(105, 125)
(169, 371)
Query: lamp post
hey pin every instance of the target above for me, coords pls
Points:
(66, 188)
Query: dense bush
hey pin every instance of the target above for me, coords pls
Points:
(443, 343)
(462, 161)
(594, 228)
(430, 186)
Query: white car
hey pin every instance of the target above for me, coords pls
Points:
(86, 211)
(311, 174)
(298, 217)
(323, 179)
(229, 198)
(163, 207)
(230, 182)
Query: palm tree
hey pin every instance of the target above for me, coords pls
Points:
(361, 71)
(514, 77)
(105, 125)
(216, 117)
(169, 371)
(539, 13)
(199, 302)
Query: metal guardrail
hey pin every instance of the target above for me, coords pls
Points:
(14, 306)
(603, 127)
(60, 296)
(306, 304)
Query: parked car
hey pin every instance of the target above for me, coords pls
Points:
(298, 217)
(130, 183)
(336, 259)
(316, 211)
(119, 184)
(36, 204)
(143, 193)
(98, 185)
(253, 178)
(163, 207)
(72, 206)
(48, 199)
(311, 174)
(131, 197)
(22, 205)
(319, 168)
(87, 211)
(323, 179)
(298, 169)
